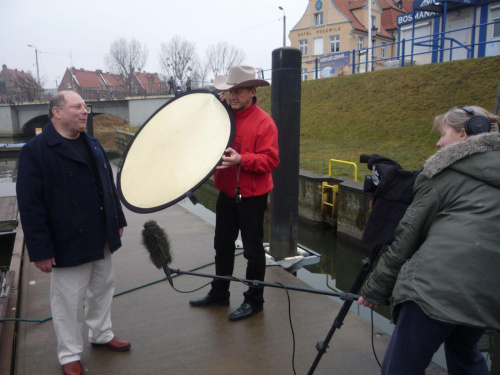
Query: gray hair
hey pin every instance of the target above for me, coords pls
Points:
(57, 100)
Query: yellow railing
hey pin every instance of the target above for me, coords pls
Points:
(333, 192)
(325, 191)
(343, 162)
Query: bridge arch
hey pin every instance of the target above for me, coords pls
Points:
(29, 128)
(23, 119)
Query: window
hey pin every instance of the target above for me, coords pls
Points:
(304, 74)
(383, 50)
(361, 42)
(318, 46)
(495, 28)
(318, 19)
(304, 47)
(335, 43)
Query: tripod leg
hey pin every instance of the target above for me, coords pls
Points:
(358, 283)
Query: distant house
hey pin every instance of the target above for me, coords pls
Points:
(148, 84)
(96, 85)
(333, 28)
(93, 85)
(18, 86)
(332, 35)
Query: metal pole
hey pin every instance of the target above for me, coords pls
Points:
(257, 283)
(285, 110)
(284, 30)
(37, 71)
(36, 56)
(284, 27)
(369, 31)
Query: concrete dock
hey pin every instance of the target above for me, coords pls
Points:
(169, 336)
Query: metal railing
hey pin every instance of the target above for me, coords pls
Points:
(440, 47)
(343, 162)
(329, 193)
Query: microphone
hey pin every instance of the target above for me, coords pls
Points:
(156, 242)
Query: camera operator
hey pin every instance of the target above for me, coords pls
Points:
(441, 273)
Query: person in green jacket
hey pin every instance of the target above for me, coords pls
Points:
(441, 273)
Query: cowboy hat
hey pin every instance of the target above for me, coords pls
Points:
(239, 76)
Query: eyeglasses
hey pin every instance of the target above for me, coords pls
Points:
(78, 107)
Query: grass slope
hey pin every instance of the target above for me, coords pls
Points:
(388, 112)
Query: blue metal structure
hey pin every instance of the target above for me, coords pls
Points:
(441, 42)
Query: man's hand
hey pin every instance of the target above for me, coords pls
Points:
(120, 231)
(366, 303)
(230, 158)
(46, 265)
(222, 96)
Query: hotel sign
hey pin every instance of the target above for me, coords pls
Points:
(325, 30)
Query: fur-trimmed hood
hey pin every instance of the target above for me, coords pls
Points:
(460, 150)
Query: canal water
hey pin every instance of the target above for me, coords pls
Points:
(338, 269)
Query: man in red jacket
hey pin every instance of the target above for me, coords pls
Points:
(244, 181)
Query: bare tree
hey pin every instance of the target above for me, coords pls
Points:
(29, 89)
(200, 75)
(125, 58)
(221, 56)
(177, 57)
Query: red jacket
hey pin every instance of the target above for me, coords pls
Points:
(256, 140)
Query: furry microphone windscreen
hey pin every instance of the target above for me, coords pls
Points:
(156, 241)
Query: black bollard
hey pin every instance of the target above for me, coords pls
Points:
(285, 110)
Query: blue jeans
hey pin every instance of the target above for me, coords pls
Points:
(417, 337)
(231, 217)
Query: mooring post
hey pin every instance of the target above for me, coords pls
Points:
(285, 110)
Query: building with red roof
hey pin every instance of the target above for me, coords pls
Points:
(97, 85)
(341, 26)
(334, 35)
(148, 84)
(18, 86)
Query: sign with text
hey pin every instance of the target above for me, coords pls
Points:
(419, 16)
(336, 64)
(437, 5)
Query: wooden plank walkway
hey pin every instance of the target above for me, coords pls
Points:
(8, 214)
(169, 336)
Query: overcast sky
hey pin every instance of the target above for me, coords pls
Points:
(69, 32)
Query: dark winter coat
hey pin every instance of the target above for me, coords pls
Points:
(446, 252)
(60, 202)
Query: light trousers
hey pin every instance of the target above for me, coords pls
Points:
(78, 293)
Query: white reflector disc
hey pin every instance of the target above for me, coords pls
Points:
(174, 152)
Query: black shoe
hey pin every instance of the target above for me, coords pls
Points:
(209, 300)
(244, 311)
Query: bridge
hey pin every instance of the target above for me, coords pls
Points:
(22, 119)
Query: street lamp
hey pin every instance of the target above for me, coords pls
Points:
(36, 55)
(284, 26)
(374, 35)
(56, 82)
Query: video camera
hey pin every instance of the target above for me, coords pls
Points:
(392, 190)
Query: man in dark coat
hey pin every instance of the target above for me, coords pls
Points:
(171, 86)
(72, 221)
